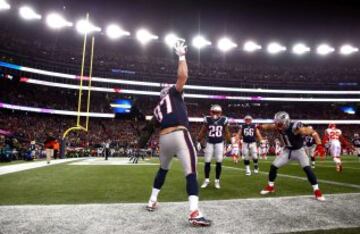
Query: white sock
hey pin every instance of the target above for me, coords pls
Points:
(217, 180)
(194, 202)
(247, 168)
(315, 187)
(154, 194)
(207, 180)
(271, 184)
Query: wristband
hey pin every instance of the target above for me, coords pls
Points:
(182, 58)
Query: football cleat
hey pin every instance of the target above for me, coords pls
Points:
(152, 206)
(339, 168)
(205, 184)
(318, 195)
(217, 184)
(268, 189)
(256, 171)
(248, 172)
(197, 220)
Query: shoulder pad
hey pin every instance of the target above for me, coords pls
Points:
(296, 126)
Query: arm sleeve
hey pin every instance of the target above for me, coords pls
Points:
(296, 127)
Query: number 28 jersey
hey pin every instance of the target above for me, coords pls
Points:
(171, 110)
(215, 129)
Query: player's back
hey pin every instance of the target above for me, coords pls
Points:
(171, 110)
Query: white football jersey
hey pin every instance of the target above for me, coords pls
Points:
(333, 134)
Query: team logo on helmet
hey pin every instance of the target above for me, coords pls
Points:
(215, 111)
(282, 120)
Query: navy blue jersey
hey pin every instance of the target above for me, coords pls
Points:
(309, 141)
(248, 133)
(171, 110)
(292, 140)
(215, 129)
(356, 142)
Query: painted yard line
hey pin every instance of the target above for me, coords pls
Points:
(301, 178)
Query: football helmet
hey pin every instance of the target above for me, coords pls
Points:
(282, 120)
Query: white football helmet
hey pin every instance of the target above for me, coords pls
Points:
(215, 111)
(282, 120)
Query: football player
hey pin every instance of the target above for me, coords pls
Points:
(333, 138)
(356, 144)
(292, 135)
(310, 146)
(235, 147)
(175, 139)
(264, 148)
(249, 133)
(278, 147)
(216, 130)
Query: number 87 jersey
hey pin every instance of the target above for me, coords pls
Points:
(215, 129)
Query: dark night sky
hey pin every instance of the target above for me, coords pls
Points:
(241, 19)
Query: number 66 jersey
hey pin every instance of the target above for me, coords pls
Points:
(215, 128)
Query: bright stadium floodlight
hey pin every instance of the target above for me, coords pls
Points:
(84, 26)
(4, 5)
(114, 31)
(300, 49)
(144, 36)
(348, 49)
(28, 13)
(200, 42)
(324, 49)
(251, 46)
(275, 48)
(171, 39)
(225, 44)
(56, 21)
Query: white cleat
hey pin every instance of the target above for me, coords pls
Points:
(217, 184)
(248, 173)
(152, 206)
(256, 171)
(205, 184)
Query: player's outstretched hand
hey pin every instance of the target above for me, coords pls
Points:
(180, 48)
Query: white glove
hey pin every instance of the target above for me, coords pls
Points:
(198, 146)
(180, 49)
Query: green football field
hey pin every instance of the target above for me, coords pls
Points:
(73, 184)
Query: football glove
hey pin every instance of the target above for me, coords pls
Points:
(320, 150)
(180, 49)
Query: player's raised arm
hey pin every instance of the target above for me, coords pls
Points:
(180, 50)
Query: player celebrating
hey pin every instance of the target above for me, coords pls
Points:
(215, 126)
(310, 146)
(332, 138)
(249, 132)
(292, 135)
(356, 144)
(175, 139)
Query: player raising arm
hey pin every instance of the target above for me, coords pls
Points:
(292, 134)
(175, 139)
